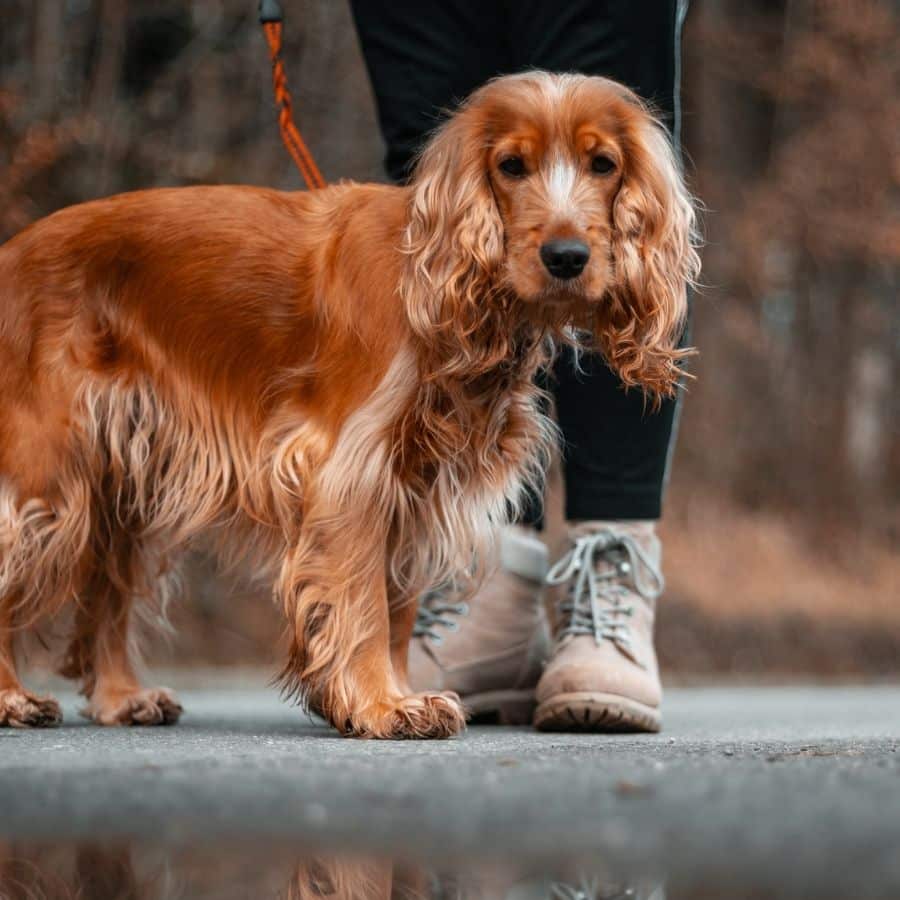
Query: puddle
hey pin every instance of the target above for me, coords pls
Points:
(94, 871)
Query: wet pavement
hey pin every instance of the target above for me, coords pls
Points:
(748, 792)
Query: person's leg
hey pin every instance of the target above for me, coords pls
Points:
(616, 449)
(423, 57)
(603, 673)
(631, 41)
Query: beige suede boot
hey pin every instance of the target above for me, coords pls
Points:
(603, 674)
(491, 649)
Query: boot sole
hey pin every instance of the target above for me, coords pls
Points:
(595, 712)
(500, 707)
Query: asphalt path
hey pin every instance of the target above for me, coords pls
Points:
(787, 791)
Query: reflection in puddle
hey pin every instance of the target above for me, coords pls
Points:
(99, 872)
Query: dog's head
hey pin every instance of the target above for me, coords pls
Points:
(563, 192)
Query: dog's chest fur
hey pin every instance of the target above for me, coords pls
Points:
(463, 451)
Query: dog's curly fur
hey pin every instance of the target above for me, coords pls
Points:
(337, 387)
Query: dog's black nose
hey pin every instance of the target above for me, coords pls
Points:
(565, 258)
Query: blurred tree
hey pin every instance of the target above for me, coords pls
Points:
(796, 135)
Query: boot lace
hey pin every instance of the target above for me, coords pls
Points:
(595, 603)
(591, 890)
(437, 612)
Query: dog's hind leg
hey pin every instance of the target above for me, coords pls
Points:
(100, 652)
(18, 707)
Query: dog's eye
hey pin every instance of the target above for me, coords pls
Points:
(514, 166)
(602, 165)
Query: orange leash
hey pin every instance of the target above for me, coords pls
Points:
(271, 18)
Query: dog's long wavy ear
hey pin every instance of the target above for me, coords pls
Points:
(654, 259)
(454, 236)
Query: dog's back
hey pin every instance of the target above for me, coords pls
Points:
(147, 344)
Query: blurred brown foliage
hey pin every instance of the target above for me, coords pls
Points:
(792, 127)
(794, 123)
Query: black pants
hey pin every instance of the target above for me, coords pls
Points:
(425, 55)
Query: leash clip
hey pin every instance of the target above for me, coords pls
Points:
(270, 11)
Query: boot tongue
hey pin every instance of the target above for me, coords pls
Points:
(643, 533)
(633, 565)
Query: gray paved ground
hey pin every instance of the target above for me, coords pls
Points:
(787, 788)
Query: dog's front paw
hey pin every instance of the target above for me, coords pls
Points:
(418, 716)
(150, 706)
(21, 709)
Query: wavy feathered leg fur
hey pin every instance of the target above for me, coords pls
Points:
(20, 708)
(334, 388)
(100, 653)
(349, 645)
